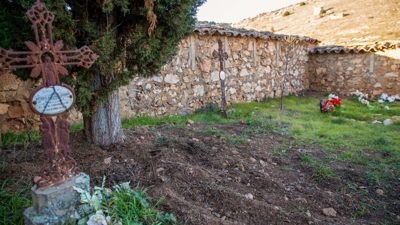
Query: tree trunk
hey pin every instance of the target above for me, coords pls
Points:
(104, 127)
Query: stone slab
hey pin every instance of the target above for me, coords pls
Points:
(57, 203)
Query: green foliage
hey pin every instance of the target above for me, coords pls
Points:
(12, 204)
(118, 31)
(322, 172)
(9, 138)
(302, 3)
(123, 205)
(287, 13)
(323, 11)
(132, 207)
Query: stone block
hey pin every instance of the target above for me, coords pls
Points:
(57, 203)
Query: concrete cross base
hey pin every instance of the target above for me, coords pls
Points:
(56, 204)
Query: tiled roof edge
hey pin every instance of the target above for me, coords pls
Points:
(229, 31)
(375, 47)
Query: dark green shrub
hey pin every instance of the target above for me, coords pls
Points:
(287, 13)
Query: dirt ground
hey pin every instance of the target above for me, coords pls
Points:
(208, 179)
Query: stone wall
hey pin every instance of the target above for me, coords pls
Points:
(254, 71)
(342, 73)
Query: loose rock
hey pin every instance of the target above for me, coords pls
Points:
(249, 196)
(329, 212)
(379, 192)
(253, 160)
(387, 122)
(107, 161)
(376, 121)
(159, 170)
(190, 122)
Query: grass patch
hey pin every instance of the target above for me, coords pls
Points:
(12, 204)
(322, 172)
(9, 139)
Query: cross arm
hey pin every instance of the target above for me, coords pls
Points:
(6, 60)
(84, 57)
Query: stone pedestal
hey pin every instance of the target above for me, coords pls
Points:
(56, 204)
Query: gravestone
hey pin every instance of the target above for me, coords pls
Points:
(54, 199)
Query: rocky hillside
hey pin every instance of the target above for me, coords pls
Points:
(341, 21)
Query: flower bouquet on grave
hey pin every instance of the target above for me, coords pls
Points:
(333, 104)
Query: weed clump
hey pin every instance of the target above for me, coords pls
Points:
(272, 29)
(382, 141)
(302, 3)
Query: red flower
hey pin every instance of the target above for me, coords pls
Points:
(340, 103)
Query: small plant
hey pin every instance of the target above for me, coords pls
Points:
(322, 172)
(161, 141)
(122, 206)
(272, 29)
(302, 3)
(382, 141)
(287, 13)
(12, 204)
(307, 159)
(323, 11)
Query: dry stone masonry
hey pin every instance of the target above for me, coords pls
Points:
(254, 71)
(372, 69)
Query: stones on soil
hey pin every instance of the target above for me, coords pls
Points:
(141, 137)
(387, 122)
(159, 170)
(376, 121)
(249, 196)
(329, 212)
(107, 161)
(189, 122)
(379, 192)
(253, 160)
(303, 151)
(396, 117)
(263, 163)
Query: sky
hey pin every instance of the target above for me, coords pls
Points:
(233, 11)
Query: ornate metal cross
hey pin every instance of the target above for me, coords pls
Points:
(51, 99)
(222, 56)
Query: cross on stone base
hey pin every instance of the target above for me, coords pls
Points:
(51, 100)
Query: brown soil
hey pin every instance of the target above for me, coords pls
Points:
(205, 179)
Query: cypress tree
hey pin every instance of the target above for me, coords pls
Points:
(132, 38)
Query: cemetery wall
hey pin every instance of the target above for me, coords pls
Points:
(369, 72)
(254, 71)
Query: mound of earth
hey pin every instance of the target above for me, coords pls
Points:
(248, 175)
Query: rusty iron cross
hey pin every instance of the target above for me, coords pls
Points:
(46, 57)
(221, 55)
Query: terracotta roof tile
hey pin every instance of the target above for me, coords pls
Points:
(372, 47)
(227, 30)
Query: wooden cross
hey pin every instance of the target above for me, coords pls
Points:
(46, 57)
(222, 56)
